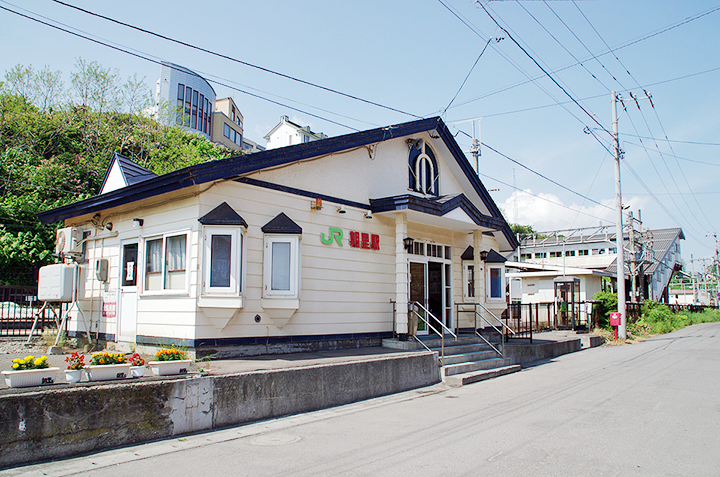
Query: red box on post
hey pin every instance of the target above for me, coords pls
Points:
(615, 319)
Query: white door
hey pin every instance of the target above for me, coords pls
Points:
(127, 322)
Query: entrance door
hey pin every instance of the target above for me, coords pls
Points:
(127, 321)
(418, 292)
(426, 288)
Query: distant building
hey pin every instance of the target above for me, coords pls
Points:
(654, 264)
(194, 107)
(288, 133)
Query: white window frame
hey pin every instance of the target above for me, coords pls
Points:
(488, 283)
(163, 290)
(467, 297)
(294, 290)
(237, 257)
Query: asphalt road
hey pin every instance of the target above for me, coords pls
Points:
(647, 409)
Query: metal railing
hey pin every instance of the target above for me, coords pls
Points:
(412, 311)
(19, 308)
(498, 321)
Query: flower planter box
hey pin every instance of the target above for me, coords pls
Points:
(30, 377)
(106, 372)
(166, 368)
(73, 375)
(137, 371)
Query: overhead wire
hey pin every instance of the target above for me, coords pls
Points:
(617, 48)
(513, 63)
(230, 58)
(682, 172)
(579, 62)
(592, 117)
(584, 197)
(467, 76)
(146, 58)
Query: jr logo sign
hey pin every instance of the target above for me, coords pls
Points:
(335, 234)
(357, 239)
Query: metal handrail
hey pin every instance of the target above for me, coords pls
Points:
(436, 319)
(411, 308)
(475, 312)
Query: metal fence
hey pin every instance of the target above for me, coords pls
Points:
(19, 307)
(527, 318)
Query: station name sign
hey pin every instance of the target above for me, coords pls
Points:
(362, 240)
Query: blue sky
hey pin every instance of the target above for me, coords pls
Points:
(413, 57)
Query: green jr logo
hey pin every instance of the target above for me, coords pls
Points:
(335, 234)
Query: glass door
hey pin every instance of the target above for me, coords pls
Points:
(418, 293)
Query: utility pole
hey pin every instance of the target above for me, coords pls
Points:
(633, 258)
(620, 261)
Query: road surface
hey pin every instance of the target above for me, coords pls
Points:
(646, 409)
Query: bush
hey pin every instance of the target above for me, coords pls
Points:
(608, 304)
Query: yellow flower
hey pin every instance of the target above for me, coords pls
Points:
(15, 366)
(38, 362)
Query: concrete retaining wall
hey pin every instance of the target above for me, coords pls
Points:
(65, 421)
(521, 353)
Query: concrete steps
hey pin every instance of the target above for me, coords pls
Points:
(469, 360)
(469, 378)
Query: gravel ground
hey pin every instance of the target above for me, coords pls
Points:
(18, 346)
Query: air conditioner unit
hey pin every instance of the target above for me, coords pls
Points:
(67, 239)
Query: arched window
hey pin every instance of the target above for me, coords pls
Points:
(423, 169)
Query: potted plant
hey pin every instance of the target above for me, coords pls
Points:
(76, 363)
(137, 366)
(104, 366)
(170, 361)
(30, 371)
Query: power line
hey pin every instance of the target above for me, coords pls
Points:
(678, 157)
(682, 172)
(467, 76)
(560, 43)
(541, 198)
(137, 55)
(545, 177)
(607, 52)
(511, 62)
(544, 71)
(245, 63)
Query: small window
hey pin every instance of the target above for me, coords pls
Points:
(468, 281)
(165, 263)
(525, 256)
(223, 260)
(495, 288)
(570, 253)
(601, 251)
(281, 266)
(582, 252)
(612, 250)
(555, 254)
(226, 130)
(541, 255)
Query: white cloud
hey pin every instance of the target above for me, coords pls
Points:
(545, 212)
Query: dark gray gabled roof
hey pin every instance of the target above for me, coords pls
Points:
(282, 224)
(223, 214)
(237, 166)
(492, 255)
(131, 172)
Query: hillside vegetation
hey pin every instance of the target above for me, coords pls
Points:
(56, 144)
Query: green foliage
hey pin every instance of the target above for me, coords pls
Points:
(657, 318)
(608, 304)
(54, 153)
(522, 229)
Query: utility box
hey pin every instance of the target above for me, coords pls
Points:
(615, 319)
(55, 283)
(101, 270)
